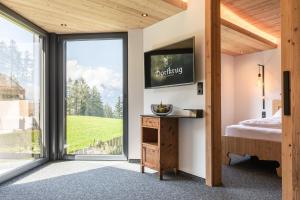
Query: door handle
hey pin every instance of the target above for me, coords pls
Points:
(286, 93)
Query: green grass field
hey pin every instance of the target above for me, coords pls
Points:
(82, 131)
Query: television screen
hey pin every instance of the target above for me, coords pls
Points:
(170, 66)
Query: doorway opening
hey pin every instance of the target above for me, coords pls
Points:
(251, 114)
(215, 25)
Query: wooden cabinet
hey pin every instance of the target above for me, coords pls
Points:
(159, 143)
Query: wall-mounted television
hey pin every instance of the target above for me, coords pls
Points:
(172, 65)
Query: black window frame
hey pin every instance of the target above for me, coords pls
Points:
(62, 40)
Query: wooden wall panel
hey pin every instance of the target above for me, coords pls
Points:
(213, 92)
(290, 10)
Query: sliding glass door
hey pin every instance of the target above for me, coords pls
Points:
(22, 135)
(94, 96)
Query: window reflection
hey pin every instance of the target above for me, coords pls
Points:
(21, 64)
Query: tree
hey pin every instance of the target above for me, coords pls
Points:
(70, 100)
(84, 94)
(15, 61)
(4, 55)
(108, 111)
(95, 104)
(18, 65)
(73, 98)
(81, 100)
(27, 69)
(118, 109)
(77, 96)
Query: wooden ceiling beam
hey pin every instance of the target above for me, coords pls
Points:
(237, 40)
(247, 33)
(178, 3)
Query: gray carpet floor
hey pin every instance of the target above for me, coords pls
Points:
(245, 179)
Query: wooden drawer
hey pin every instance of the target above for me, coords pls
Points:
(150, 122)
(150, 157)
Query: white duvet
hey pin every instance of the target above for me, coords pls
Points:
(263, 129)
(272, 122)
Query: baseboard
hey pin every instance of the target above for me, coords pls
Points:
(191, 176)
(96, 157)
(137, 161)
(182, 173)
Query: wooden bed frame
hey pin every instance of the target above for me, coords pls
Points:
(263, 149)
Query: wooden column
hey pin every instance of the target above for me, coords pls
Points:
(290, 30)
(213, 92)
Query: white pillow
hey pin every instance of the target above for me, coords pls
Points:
(277, 114)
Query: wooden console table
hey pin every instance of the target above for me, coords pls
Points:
(160, 142)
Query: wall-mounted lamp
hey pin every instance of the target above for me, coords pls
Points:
(259, 77)
(261, 83)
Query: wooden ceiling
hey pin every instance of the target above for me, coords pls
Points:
(264, 15)
(88, 16)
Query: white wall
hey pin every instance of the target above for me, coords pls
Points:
(192, 131)
(241, 94)
(135, 91)
(227, 90)
(248, 94)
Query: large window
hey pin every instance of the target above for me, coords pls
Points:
(94, 109)
(21, 96)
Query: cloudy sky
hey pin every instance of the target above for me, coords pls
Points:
(13, 31)
(100, 63)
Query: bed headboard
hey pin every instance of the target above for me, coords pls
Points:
(276, 105)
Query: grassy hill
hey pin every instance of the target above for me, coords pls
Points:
(82, 131)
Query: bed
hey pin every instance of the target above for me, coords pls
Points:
(255, 137)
